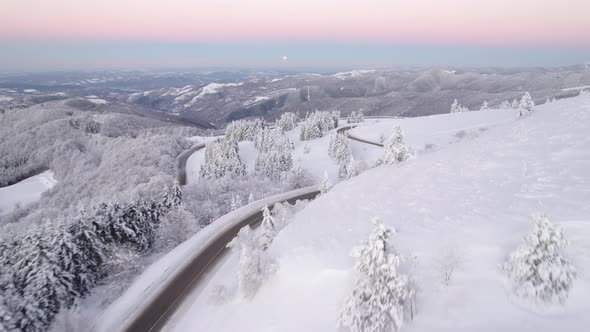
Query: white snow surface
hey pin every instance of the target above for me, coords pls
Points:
(5, 98)
(433, 131)
(581, 87)
(255, 100)
(25, 191)
(353, 73)
(473, 197)
(97, 101)
(214, 88)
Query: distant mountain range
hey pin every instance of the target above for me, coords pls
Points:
(217, 97)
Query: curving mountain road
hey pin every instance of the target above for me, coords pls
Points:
(344, 131)
(181, 162)
(158, 309)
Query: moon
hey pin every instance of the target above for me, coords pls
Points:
(285, 58)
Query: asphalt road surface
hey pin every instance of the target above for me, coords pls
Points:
(161, 307)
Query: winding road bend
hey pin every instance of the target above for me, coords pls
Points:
(157, 310)
(156, 313)
(344, 131)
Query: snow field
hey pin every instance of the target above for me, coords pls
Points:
(470, 200)
(25, 191)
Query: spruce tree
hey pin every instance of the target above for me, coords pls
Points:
(381, 296)
(536, 270)
(325, 185)
(526, 104)
(484, 106)
(395, 150)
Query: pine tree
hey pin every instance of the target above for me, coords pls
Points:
(267, 230)
(526, 104)
(250, 198)
(515, 104)
(456, 107)
(381, 296)
(255, 264)
(325, 185)
(536, 270)
(505, 105)
(351, 168)
(287, 121)
(484, 106)
(236, 202)
(221, 159)
(176, 195)
(338, 148)
(395, 150)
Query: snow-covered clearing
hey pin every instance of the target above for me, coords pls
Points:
(255, 100)
(353, 73)
(97, 101)
(25, 191)
(5, 98)
(214, 88)
(472, 198)
(429, 132)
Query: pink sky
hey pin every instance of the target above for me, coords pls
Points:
(475, 22)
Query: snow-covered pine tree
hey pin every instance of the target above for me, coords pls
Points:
(267, 230)
(171, 199)
(339, 149)
(317, 123)
(515, 104)
(395, 150)
(255, 265)
(274, 157)
(381, 295)
(536, 270)
(325, 185)
(505, 105)
(221, 159)
(7, 319)
(456, 107)
(526, 104)
(287, 121)
(243, 130)
(273, 164)
(352, 168)
(547, 101)
(88, 255)
(250, 198)
(361, 116)
(484, 106)
(176, 195)
(236, 202)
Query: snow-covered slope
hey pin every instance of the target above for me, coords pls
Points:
(25, 192)
(472, 198)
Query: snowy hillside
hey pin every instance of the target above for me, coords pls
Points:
(468, 202)
(25, 192)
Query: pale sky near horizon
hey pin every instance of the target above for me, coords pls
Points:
(58, 34)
